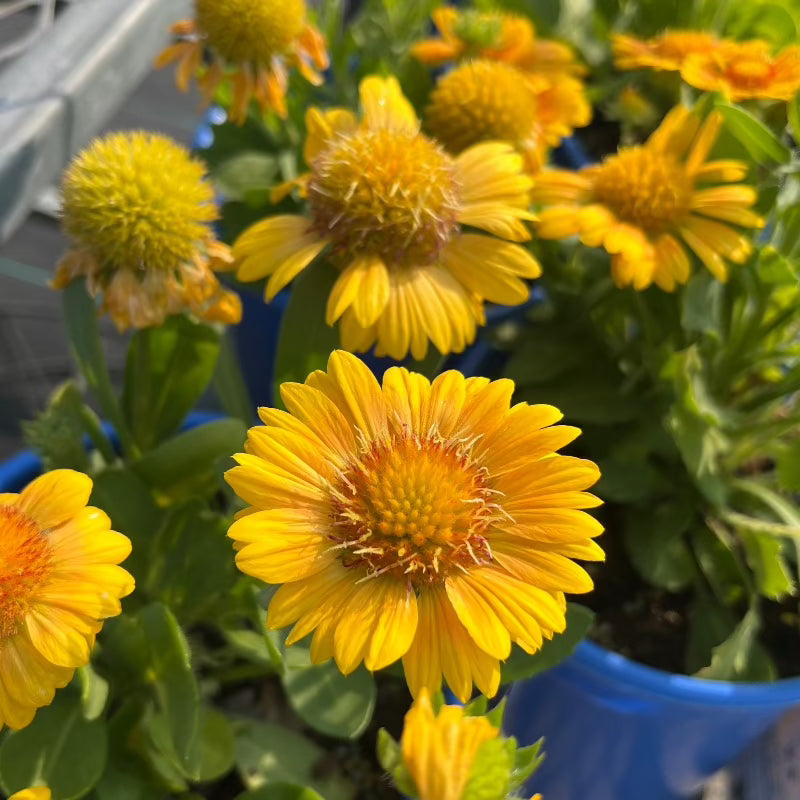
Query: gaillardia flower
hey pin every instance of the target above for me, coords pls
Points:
(495, 36)
(388, 203)
(745, 70)
(58, 582)
(37, 793)
(252, 44)
(427, 521)
(639, 204)
(486, 100)
(667, 51)
(138, 211)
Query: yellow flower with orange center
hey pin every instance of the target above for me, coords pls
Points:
(744, 70)
(388, 204)
(252, 44)
(496, 36)
(667, 51)
(138, 211)
(58, 582)
(37, 793)
(428, 521)
(640, 203)
(486, 100)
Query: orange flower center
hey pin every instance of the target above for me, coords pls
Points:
(384, 192)
(749, 72)
(251, 31)
(25, 561)
(415, 507)
(644, 187)
(480, 101)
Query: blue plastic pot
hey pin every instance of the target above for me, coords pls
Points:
(617, 730)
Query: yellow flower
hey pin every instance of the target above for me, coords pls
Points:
(639, 204)
(494, 36)
(417, 520)
(744, 70)
(252, 44)
(489, 100)
(37, 793)
(138, 210)
(58, 582)
(667, 52)
(389, 203)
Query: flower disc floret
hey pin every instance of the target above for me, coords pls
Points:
(386, 192)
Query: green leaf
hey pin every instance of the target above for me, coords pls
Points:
(526, 761)
(793, 111)
(305, 340)
(249, 173)
(60, 748)
(268, 753)
(331, 703)
(192, 453)
(169, 367)
(230, 384)
(390, 757)
(759, 141)
(789, 467)
(172, 679)
(739, 657)
(94, 692)
(521, 665)
(80, 316)
(490, 774)
(281, 791)
(702, 304)
(215, 755)
(764, 554)
(760, 20)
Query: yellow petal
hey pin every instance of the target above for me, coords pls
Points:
(385, 107)
(55, 497)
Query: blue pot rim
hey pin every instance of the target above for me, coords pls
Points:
(592, 657)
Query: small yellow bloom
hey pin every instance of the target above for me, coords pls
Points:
(389, 203)
(138, 210)
(744, 70)
(428, 521)
(252, 45)
(486, 100)
(58, 582)
(667, 51)
(639, 204)
(37, 793)
(495, 36)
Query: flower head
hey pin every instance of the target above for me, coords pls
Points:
(486, 100)
(58, 582)
(427, 521)
(639, 204)
(667, 51)
(388, 203)
(495, 36)
(252, 44)
(37, 793)
(744, 70)
(138, 210)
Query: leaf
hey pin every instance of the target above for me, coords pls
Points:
(788, 462)
(281, 791)
(60, 748)
(94, 692)
(168, 368)
(793, 111)
(305, 340)
(760, 142)
(521, 665)
(702, 304)
(215, 756)
(268, 753)
(739, 657)
(490, 773)
(526, 761)
(331, 703)
(764, 554)
(760, 20)
(192, 453)
(249, 172)
(390, 757)
(172, 679)
(230, 385)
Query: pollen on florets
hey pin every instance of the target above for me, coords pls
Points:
(384, 192)
(414, 507)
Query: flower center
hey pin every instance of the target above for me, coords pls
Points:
(646, 188)
(387, 193)
(414, 507)
(25, 560)
(251, 31)
(480, 101)
(750, 73)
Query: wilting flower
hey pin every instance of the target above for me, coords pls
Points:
(667, 51)
(37, 793)
(639, 204)
(58, 582)
(388, 203)
(495, 36)
(424, 521)
(486, 100)
(138, 210)
(252, 44)
(744, 70)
